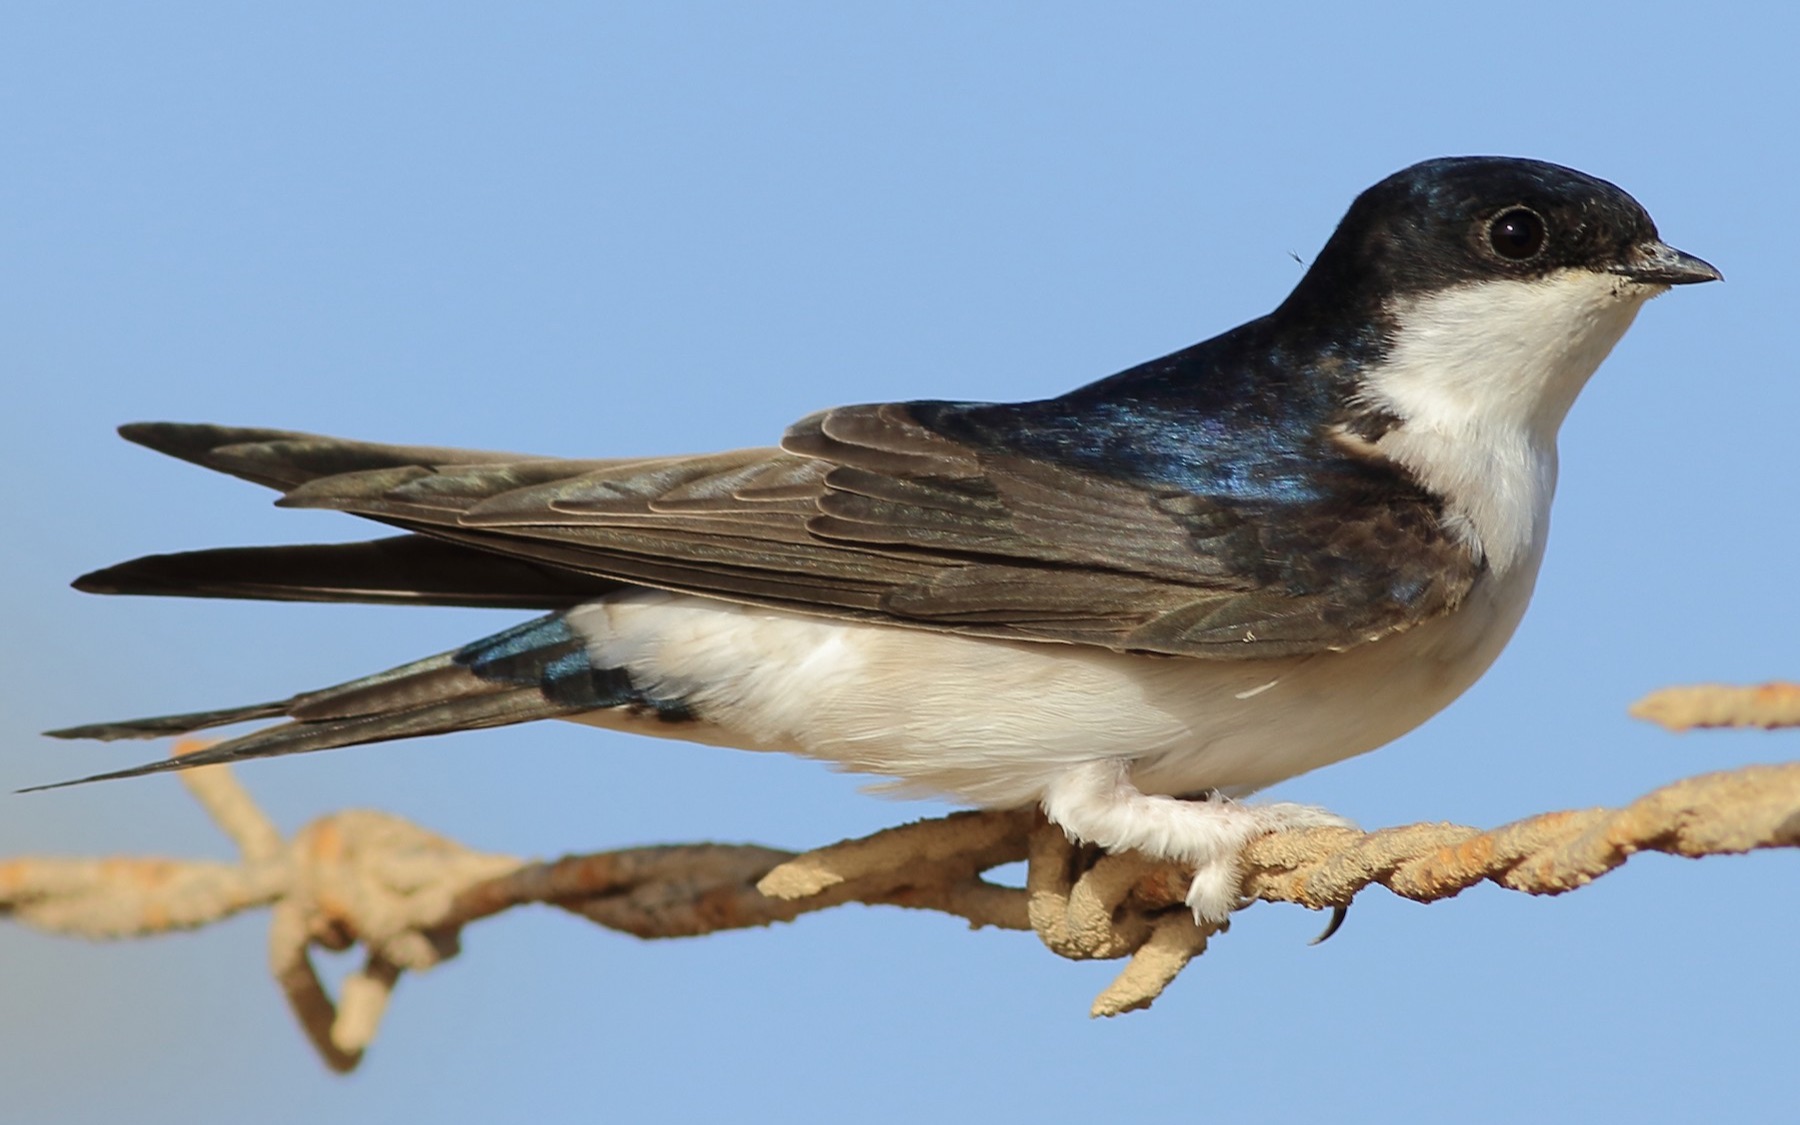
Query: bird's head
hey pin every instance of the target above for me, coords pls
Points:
(1486, 291)
(1498, 284)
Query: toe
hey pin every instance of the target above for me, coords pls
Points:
(1213, 894)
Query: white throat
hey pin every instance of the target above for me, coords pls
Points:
(1481, 377)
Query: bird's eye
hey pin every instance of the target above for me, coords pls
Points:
(1517, 234)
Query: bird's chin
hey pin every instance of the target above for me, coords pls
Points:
(1629, 290)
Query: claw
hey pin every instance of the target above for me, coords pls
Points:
(1338, 914)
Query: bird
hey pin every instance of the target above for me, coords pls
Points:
(1133, 604)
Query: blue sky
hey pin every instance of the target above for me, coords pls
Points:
(675, 227)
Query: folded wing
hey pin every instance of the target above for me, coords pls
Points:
(864, 513)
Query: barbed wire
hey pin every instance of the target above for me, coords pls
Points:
(403, 894)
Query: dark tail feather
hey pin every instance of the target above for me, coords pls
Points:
(537, 670)
(402, 570)
(470, 712)
(161, 726)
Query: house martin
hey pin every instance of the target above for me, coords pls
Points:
(1132, 604)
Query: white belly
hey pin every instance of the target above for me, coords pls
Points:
(992, 723)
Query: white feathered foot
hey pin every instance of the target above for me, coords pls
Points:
(1097, 803)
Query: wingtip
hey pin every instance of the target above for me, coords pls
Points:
(102, 581)
(164, 437)
(185, 441)
(139, 431)
(146, 574)
(194, 441)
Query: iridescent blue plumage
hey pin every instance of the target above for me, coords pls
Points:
(1242, 419)
(546, 653)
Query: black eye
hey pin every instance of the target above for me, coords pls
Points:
(1517, 234)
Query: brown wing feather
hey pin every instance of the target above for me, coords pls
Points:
(865, 513)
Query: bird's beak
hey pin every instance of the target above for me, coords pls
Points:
(1658, 263)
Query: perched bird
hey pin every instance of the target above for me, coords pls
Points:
(1132, 604)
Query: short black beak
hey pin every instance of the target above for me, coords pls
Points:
(1658, 263)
